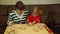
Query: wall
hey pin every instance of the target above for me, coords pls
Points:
(29, 2)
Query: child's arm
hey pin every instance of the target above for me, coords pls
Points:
(10, 21)
(29, 20)
(37, 20)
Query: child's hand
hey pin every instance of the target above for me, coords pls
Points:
(30, 23)
(10, 24)
(33, 22)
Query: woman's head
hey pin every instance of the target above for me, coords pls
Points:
(36, 11)
(19, 5)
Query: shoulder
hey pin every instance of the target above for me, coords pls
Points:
(30, 16)
(12, 12)
(26, 11)
(38, 17)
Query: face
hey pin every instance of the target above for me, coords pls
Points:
(35, 11)
(19, 11)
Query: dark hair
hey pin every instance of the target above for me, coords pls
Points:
(20, 5)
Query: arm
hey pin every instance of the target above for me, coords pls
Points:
(37, 20)
(10, 20)
(29, 20)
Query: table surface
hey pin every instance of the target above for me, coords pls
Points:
(26, 29)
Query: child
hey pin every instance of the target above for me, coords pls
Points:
(34, 17)
(19, 15)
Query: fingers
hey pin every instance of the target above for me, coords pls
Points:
(30, 23)
(10, 24)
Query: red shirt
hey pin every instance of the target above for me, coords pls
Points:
(33, 18)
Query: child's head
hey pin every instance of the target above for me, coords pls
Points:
(20, 5)
(36, 11)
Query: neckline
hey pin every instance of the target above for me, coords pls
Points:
(19, 16)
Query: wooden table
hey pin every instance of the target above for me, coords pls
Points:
(26, 29)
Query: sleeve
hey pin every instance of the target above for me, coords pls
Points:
(10, 17)
(28, 19)
(38, 19)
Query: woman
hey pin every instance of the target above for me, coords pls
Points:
(19, 15)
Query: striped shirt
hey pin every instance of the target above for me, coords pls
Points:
(15, 18)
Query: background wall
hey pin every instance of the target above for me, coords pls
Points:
(29, 2)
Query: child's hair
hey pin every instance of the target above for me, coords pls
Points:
(20, 5)
(37, 9)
